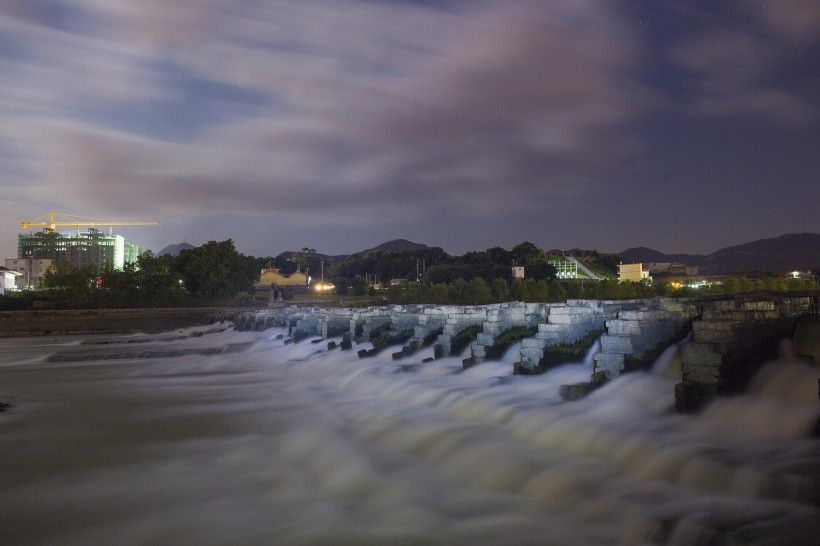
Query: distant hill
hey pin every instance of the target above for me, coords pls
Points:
(641, 254)
(288, 255)
(173, 250)
(793, 251)
(397, 245)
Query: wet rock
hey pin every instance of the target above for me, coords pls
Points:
(438, 351)
(575, 391)
(4, 407)
(691, 397)
(807, 339)
(331, 345)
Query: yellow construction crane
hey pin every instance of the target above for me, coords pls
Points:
(67, 220)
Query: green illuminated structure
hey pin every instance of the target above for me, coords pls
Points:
(80, 249)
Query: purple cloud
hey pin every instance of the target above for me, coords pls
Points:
(347, 112)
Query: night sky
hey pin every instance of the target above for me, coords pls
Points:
(684, 126)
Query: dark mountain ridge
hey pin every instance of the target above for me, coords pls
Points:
(173, 250)
(396, 245)
(792, 251)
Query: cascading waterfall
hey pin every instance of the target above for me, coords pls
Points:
(238, 438)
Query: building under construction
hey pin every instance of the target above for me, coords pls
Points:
(81, 249)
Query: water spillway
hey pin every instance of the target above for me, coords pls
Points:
(214, 436)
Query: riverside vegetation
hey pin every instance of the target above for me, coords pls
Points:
(217, 274)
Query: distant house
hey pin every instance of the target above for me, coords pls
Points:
(518, 272)
(7, 281)
(633, 273)
(672, 268)
(31, 271)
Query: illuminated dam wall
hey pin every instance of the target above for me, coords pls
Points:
(722, 341)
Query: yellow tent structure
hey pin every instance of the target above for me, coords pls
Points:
(273, 276)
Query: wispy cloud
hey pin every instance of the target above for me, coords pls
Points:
(737, 60)
(391, 105)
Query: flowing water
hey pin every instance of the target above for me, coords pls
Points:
(212, 437)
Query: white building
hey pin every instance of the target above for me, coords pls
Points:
(31, 271)
(7, 277)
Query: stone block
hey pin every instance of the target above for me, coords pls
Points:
(489, 327)
(609, 360)
(718, 331)
(617, 344)
(622, 327)
(485, 339)
(530, 342)
(702, 354)
(701, 370)
(758, 306)
(569, 319)
(646, 314)
(702, 379)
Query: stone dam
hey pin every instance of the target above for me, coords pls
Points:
(723, 341)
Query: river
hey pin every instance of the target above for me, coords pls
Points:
(209, 436)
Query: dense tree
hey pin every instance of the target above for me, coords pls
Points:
(216, 269)
(121, 286)
(609, 261)
(69, 280)
(478, 292)
(159, 281)
(500, 256)
(524, 252)
(538, 267)
(71, 286)
(284, 265)
(500, 290)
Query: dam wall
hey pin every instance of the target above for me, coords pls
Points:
(504, 317)
(730, 340)
(723, 340)
(636, 335)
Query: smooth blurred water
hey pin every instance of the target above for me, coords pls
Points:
(236, 438)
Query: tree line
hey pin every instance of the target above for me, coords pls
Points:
(215, 272)
(433, 266)
(203, 275)
(479, 292)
